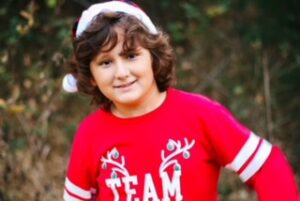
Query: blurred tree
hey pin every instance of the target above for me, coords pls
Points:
(243, 53)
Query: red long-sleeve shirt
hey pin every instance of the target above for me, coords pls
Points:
(173, 153)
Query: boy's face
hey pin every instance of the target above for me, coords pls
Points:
(125, 78)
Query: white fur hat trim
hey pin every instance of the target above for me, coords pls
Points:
(70, 83)
(114, 6)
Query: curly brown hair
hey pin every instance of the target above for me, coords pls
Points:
(101, 36)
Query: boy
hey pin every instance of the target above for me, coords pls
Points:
(148, 140)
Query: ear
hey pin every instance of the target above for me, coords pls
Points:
(93, 82)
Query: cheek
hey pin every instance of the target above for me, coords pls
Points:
(149, 71)
(144, 68)
(101, 79)
(93, 79)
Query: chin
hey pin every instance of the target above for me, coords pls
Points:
(128, 101)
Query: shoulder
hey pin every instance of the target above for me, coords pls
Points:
(192, 100)
(199, 106)
(91, 118)
(91, 122)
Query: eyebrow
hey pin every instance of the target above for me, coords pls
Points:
(125, 52)
(104, 55)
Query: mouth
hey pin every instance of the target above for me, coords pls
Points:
(124, 85)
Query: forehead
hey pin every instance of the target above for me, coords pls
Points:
(118, 37)
(112, 38)
(120, 34)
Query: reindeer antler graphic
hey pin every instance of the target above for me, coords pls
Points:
(111, 159)
(176, 148)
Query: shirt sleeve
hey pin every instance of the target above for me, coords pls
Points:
(79, 182)
(234, 146)
(257, 162)
(275, 181)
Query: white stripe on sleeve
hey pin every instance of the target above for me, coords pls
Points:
(245, 153)
(76, 190)
(68, 197)
(256, 163)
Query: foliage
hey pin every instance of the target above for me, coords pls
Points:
(244, 54)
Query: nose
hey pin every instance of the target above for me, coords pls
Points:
(122, 70)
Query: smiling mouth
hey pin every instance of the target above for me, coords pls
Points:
(125, 85)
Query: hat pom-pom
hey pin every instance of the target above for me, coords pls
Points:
(70, 83)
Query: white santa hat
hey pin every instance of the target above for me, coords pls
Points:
(69, 81)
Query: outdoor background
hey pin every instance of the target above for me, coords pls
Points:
(243, 53)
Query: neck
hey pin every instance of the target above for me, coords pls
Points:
(128, 111)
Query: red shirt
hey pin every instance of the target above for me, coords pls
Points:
(172, 153)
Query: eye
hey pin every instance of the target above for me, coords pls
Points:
(131, 56)
(105, 63)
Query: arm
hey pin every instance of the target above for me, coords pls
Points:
(275, 180)
(258, 163)
(79, 182)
